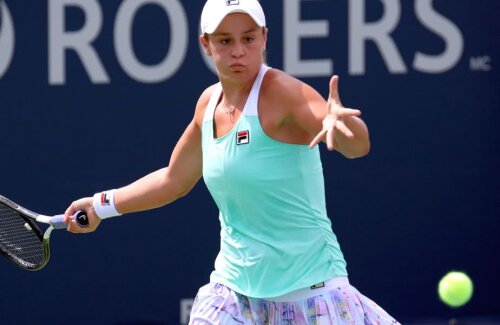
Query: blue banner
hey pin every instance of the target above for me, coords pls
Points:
(94, 94)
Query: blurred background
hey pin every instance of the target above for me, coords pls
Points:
(94, 94)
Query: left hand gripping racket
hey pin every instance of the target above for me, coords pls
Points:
(21, 240)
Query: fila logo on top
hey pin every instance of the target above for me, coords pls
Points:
(243, 137)
(232, 2)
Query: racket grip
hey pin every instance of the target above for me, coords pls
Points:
(79, 216)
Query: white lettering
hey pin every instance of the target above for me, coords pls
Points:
(7, 38)
(295, 31)
(186, 305)
(360, 32)
(480, 63)
(443, 27)
(378, 32)
(178, 41)
(78, 41)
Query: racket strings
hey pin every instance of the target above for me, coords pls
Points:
(19, 240)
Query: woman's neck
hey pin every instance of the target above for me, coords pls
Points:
(235, 92)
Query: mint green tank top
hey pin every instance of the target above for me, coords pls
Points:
(275, 233)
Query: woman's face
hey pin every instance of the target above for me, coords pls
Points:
(236, 47)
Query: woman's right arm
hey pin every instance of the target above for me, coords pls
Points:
(160, 187)
(167, 184)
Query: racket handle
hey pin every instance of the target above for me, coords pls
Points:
(79, 216)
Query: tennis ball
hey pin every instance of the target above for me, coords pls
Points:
(455, 289)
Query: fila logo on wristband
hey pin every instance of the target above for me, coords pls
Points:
(105, 198)
(104, 204)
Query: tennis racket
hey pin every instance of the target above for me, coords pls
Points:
(21, 240)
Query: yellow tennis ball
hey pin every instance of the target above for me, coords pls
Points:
(455, 289)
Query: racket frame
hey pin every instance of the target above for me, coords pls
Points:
(55, 222)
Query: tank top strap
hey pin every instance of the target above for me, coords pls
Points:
(212, 104)
(252, 102)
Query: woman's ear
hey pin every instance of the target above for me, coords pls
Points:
(265, 30)
(205, 43)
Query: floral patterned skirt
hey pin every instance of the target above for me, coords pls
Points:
(217, 304)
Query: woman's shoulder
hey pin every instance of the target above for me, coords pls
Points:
(278, 85)
(280, 80)
(203, 101)
(202, 104)
(206, 95)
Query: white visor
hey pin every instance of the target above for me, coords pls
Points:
(214, 12)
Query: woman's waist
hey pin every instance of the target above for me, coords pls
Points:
(312, 291)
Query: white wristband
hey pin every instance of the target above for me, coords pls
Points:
(104, 204)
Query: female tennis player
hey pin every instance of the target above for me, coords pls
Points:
(253, 139)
